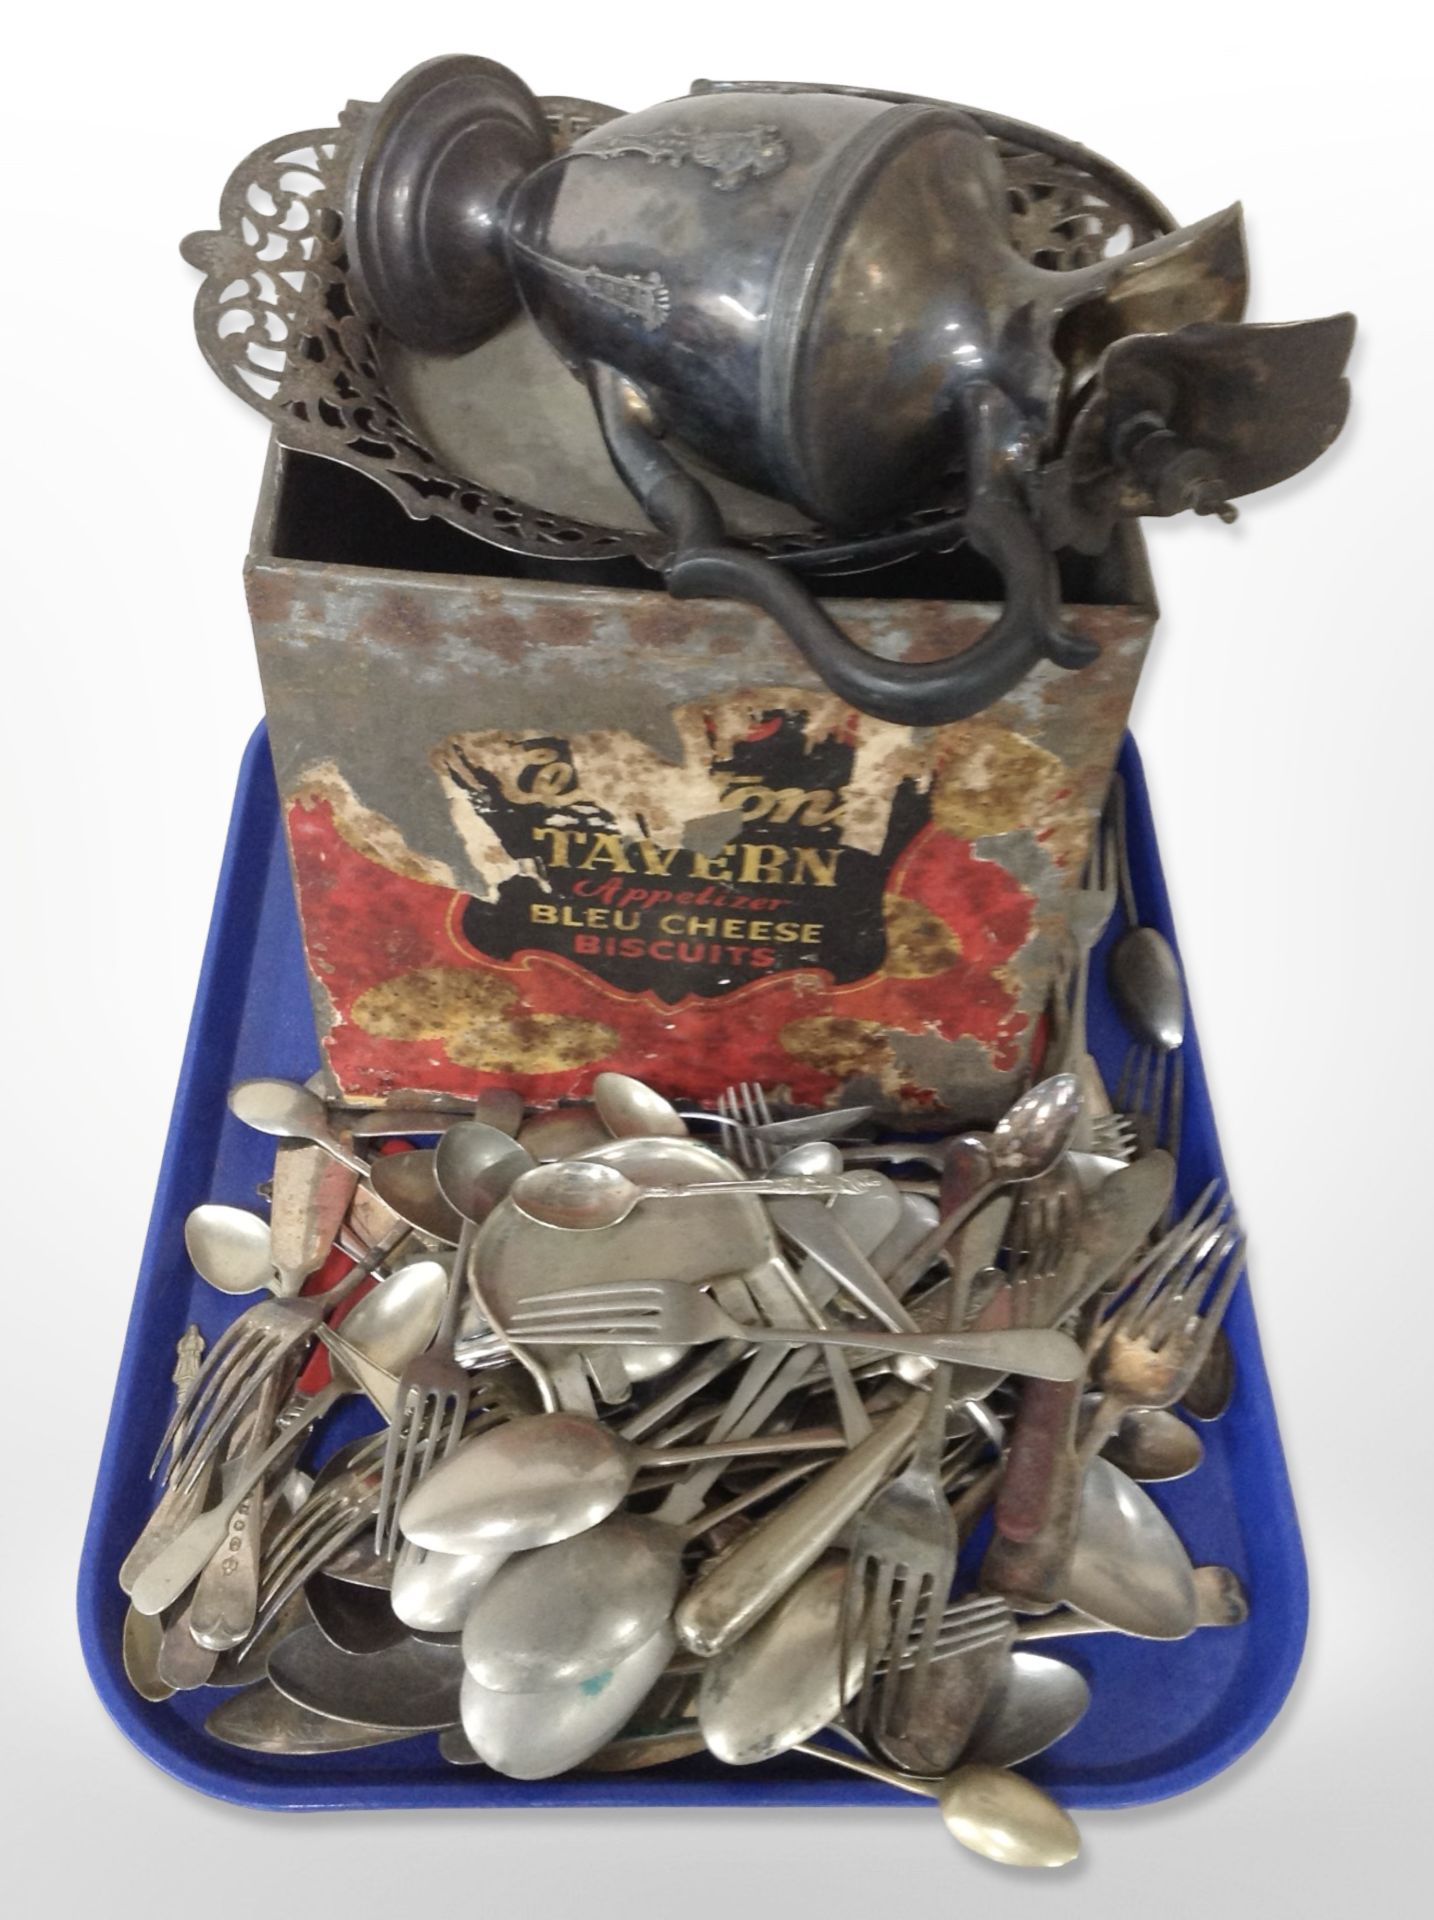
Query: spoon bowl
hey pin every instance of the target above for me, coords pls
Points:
(630, 1110)
(229, 1247)
(564, 1614)
(1152, 1444)
(1145, 980)
(532, 1736)
(1033, 1702)
(563, 1133)
(412, 1687)
(432, 1592)
(474, 1165)
(1004, 1818)
(407, 1183)
(1128, 1567)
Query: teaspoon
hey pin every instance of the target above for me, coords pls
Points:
(997, 1814)
(588, 1194)
(290, 1112)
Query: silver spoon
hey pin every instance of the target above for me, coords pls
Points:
(230, 1249)
(1128, 1567)
(536, 1480)
(474, 1166)
(262, 1720)
(1210, 1392)
(1033, 1702)
(356, 1619)
(563, 1133)
(408, 1688)
(433, 1592)
(589, 1194)
(1145, 980)
(531, 1736)
(569, 1612)
(1220, 1601)
(1142, 969)
(997, 1814)
(407, 1183)
(290, 1112)
(629, 1110)
(782, 1682)
(1152, 1444)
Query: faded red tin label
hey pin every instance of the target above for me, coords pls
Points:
(806, 896)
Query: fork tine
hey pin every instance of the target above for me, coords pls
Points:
(340, 1528)
(238, 1398)
(590, 1296)
(414, 1441)
(587, 1333)
(758, 1153)
(1215, 1310)
(447, 1418)
(290, 1546)
(895, 1683)
(396, 1450)
(200, 1442)
(947, 1645)
(879, 1576)
(1194, 1285)
(218, 1361)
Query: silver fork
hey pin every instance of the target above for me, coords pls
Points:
(671, 1312)
(1042, 1226)
(337, 1511)
(962, 1625)
(903, 1561)
(1113, 1135)
(1147, 1347)
(748, 1108)
(250, 1351)
(1088, 909)
(1150, 1094)
(430, 1406)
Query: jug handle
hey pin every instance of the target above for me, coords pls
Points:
(704, 564)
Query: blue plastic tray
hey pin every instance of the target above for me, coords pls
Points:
(1163, 1716)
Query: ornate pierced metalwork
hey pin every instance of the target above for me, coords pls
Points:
(1063, 217)
(275, 322)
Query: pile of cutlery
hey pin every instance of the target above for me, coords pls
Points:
(737, 1432)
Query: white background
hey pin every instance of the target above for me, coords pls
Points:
(1285, 722)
